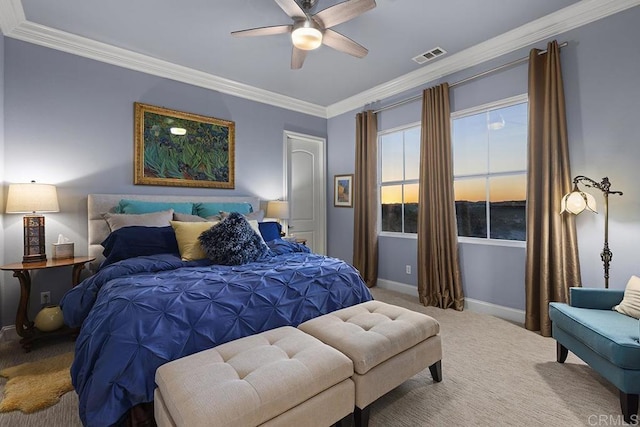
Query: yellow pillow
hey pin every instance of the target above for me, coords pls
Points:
(187, 234)
(630, 304)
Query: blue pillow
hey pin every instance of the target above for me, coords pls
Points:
(233, 242)
(141, 207)
(206, 210)
(270, 230)
(130, 242)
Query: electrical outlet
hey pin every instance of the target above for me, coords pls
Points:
(407, 268)
(45, 297)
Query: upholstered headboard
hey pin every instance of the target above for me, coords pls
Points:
(98, 204)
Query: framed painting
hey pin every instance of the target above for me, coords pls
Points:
(343, 191)
(181, 149)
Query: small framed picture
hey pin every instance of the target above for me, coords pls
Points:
(343, 191)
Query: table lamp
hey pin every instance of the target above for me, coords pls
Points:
(33, 199)
(578, 201)
(278, 209)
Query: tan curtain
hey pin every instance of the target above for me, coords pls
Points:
(439, 281)
(365, 198)
(552, 264)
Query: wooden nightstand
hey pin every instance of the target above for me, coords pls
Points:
(302, 241)
(24, 326)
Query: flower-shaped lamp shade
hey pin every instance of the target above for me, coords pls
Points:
(577, 201)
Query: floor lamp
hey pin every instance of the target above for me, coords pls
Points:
(577, 201)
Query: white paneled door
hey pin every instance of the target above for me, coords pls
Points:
(306, 189)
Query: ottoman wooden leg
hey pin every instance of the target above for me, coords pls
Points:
(436, 371)
(361, 417)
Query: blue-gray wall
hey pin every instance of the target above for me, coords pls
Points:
(69, 122)
(600, 69)
(2, 281)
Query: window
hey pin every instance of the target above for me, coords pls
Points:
(489, 168)
(399, 163)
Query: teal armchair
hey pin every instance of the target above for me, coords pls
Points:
(605, 339)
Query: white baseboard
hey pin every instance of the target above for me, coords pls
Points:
(403, 288)
(507, 313)
(8, 333)
(470, 304)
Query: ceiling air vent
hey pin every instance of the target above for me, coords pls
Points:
(428, 56)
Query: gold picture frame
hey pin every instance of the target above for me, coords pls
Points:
(175, 148)
(343, 191)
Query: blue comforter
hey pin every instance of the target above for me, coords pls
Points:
(140, 313)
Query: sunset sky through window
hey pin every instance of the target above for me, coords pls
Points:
(487, 143)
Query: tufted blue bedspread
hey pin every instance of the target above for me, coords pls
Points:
(140, 313)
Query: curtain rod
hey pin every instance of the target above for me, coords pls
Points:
(468, 79)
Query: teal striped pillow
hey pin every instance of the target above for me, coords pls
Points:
(214, 208)
(128, 206)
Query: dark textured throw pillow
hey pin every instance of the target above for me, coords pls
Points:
(233, 242)
(130, 242)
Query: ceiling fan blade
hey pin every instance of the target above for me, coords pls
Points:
(297, 58)
(342, 12)
(291, 8)
(263, 31)
(344, 44)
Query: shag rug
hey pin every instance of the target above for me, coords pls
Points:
(37, 385)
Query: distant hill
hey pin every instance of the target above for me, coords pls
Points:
(508, 219)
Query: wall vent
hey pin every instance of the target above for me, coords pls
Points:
(429, 55)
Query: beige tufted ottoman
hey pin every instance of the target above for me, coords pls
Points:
(281, 377)
(387, 345)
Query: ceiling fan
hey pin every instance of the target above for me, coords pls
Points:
(309, 31)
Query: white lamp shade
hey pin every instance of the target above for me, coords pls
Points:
(32, 197)
(306, 35)
(577, 201)
(278, 209)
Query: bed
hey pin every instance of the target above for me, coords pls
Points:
(138, 313)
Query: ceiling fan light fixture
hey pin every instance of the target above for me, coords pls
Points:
(306, 35)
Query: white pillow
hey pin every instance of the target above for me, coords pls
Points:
(257, 216)
(154, 219)
(630, 304)
(256, 227)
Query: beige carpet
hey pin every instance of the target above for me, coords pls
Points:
(495, 374)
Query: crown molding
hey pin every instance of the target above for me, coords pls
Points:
(11, 15)
(568, 18)
(14, 24)
(55, 39)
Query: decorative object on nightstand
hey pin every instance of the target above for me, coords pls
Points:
(62, 249)
(49, 319)
(577, 201)
(278, 209)
(33, 199)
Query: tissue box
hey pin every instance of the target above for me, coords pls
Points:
(62, 250)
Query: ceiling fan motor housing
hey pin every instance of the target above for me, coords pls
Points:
(307, 4)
